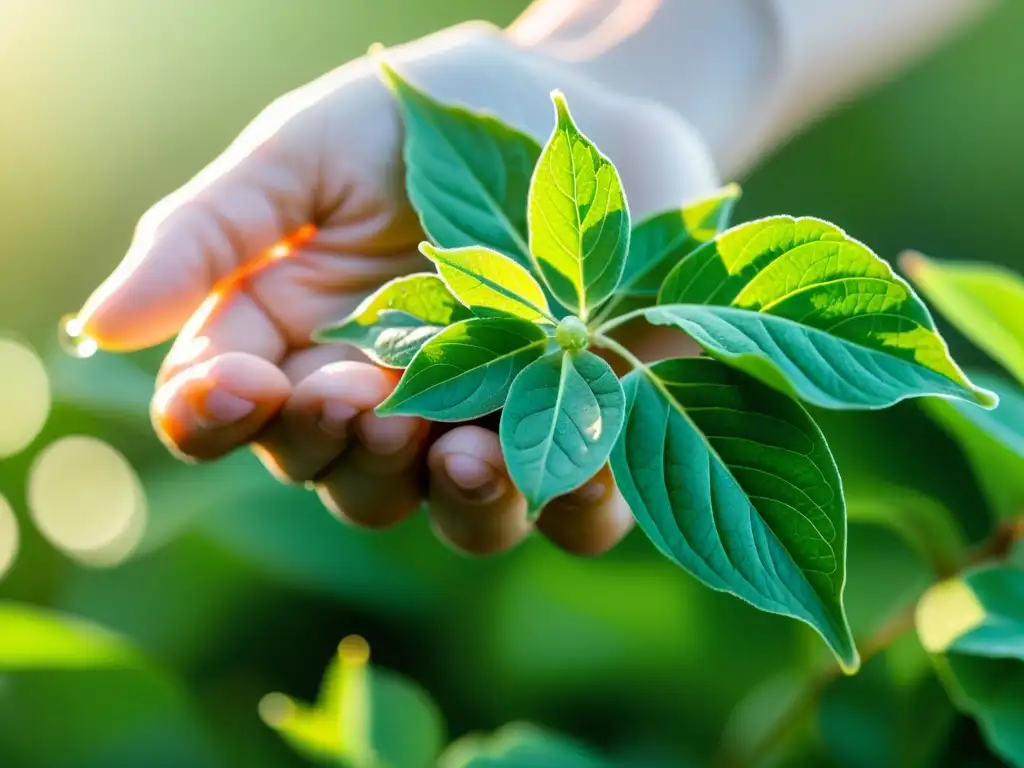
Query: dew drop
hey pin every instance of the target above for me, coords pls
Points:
(73, 338)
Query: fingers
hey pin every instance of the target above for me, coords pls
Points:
(590, 520)
(256, 195)
(475, 508)
(366, 469)
(473, 505)
(210, 409)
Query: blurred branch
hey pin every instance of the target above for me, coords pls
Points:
(997, 547)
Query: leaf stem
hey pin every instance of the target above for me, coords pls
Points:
(997, 547)
(615, 322)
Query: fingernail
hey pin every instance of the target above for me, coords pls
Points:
(473, 478)
(335, 417)
(221, 408)
(386, 435)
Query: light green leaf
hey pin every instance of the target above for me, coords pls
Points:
(812, 312)
(563, 414)
(578, 218)
(489, 283)
(659, 242)
(519, 745)
(977, 622)
(735, 483)
(467, 174)
(992, 440)
(983, 301)
(364, 717)
(466, 370)
(400, 317)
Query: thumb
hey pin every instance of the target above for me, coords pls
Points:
(251, 204)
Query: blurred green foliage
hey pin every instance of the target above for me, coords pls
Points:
(243, 586)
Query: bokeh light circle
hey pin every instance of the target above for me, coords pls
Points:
(9, 538)
(24, 396)
(87, 501)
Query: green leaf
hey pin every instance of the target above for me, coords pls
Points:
(466, 370)
(661, 241)
(489, 283)
(983, 301)
(516, 746)
(977, 622)
(364, 717)
(578, 218)
(400, 317)
(992, 440)
(563, 414)
(735, 483)
(77, 694)
(467, 174)
(813, 313)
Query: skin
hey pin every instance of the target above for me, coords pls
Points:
(303, 216)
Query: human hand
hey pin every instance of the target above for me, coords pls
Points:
(303, 216)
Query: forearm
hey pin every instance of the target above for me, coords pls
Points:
(746, 73)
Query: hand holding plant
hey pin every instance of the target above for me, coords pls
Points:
(720, 464)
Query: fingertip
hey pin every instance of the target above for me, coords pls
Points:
(474, 506)
(148, 297)
(589, 521)
(207, 411)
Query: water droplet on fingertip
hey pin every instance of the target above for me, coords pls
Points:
(73, 338)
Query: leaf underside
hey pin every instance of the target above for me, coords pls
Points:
(563, 414)
(466, 370)
(400, 317)
(735, 483)
(814, 313)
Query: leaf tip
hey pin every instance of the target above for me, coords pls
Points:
(986, 398)
(561, 108)
(428, 250)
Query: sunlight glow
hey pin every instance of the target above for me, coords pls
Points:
(86, 499)
(24, 396)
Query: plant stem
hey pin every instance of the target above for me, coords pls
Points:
(615, 322)
(613, 346)
(997, 547)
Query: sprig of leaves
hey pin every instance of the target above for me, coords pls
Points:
(723, 468)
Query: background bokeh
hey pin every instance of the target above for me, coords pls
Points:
(230, 586)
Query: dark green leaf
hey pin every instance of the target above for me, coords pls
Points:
(983, 301)
(735, 483)
(391, 325)
(563, 414)
(812, 312)
(578, 218)
(466, 370)
(467, 174)
(489, 283)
